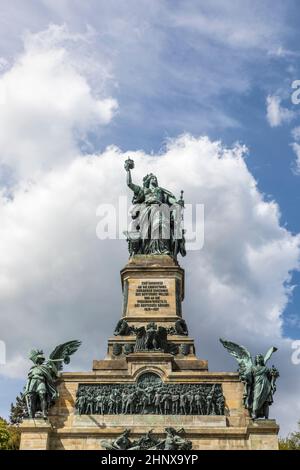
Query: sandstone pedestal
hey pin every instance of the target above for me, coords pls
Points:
(153, 291)
(35, 434)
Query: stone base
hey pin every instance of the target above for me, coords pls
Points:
(35, 434)
(68, 430)
(153, 289)
(146, 421)
(205, 432)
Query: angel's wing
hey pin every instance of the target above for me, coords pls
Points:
(162, 331)
(240, 353)
(141, 331)
(62, 352)
(269, 353)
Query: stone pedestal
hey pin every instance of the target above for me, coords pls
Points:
(153, 291)
(35, 434)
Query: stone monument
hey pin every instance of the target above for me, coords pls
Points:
(151, 391)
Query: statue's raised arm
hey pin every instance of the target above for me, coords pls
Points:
(269, 353)
(129, 165)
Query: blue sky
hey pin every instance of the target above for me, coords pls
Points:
(136, 75)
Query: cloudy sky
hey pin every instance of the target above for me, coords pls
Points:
(197, 92)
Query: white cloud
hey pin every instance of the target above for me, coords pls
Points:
(47, 105)
(139, 39)
(296, 165)
(296, 148)
(238, 25)
(58, 281)
(3, 64)
(282, 53)
(14, 368)
(277, 114)
(296, 133)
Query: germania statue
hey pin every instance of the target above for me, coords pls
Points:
(40, 390)
(157, 218)
(259, 380)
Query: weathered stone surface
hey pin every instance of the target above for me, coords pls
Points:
(35, 434)
(119, 364)
(190, 364)
(209, 436)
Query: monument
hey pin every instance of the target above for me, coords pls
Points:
(151, 391)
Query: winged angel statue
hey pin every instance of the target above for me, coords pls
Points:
(259, 380)
(40, 390)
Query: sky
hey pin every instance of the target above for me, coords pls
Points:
(199, 93)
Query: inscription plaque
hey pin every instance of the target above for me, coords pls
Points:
(151, 296)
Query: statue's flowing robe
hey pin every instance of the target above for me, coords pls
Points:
(42, 380)
(262, 388)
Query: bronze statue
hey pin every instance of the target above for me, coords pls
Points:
(181, 327)
(174, 440)
(259, 380)
(121, 443)
(153, 338)
(150, 397)
(156, 218)
(40, 390)
(123, 329)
